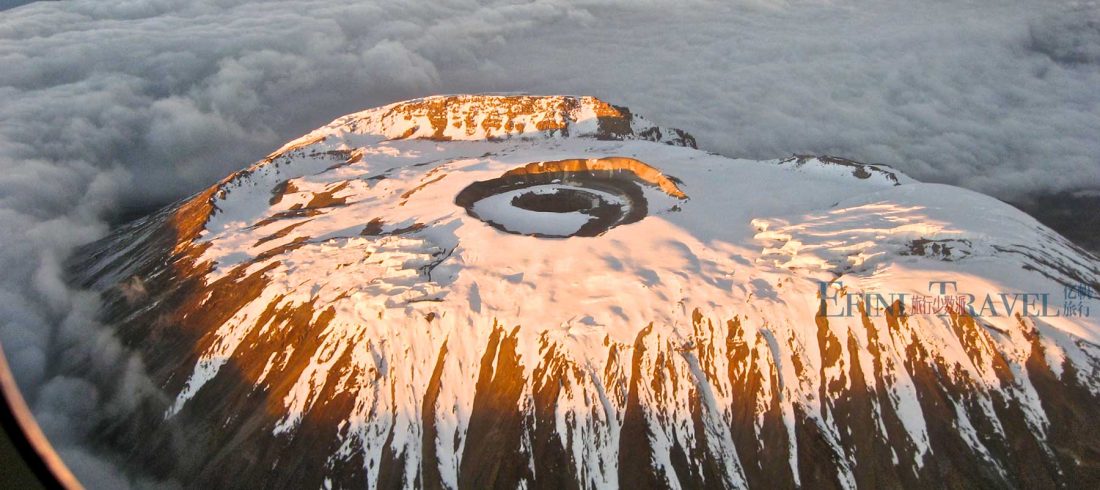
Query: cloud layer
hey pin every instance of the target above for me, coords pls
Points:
(111, 106)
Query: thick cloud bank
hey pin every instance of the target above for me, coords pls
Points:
(107, 107)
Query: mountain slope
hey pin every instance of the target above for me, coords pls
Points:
(507, 291)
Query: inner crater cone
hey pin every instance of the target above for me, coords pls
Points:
(564, 198)
(559, 200)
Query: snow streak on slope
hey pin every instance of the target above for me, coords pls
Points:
(349, 323)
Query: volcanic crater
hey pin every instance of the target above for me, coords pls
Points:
(565, 198)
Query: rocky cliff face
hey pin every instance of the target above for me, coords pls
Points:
(498, 117)
(516, 291)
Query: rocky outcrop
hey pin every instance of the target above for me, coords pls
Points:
(495, 117)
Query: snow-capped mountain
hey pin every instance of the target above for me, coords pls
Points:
(519, 291)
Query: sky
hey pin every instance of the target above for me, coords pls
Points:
(110, 107)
